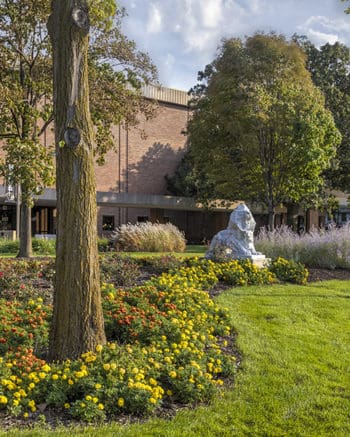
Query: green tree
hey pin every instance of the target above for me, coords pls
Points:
(347, 10)
(260, 131)
(24, 81)
(330, 71)
(77, 324)
(117, 72)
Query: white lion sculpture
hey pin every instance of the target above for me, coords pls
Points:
(235, 242)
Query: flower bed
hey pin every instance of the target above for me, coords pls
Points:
(165, 344)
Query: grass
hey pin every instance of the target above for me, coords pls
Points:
(294, 378)
(191, 250)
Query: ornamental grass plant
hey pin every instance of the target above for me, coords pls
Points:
(319, 248)
(149, 237)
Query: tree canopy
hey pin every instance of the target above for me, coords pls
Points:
(260, 131)
(117, 70)
(329, 66)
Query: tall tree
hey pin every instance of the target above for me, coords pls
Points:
(117, 71)
(77, 324)
(24, 81)
(260, 130)
(330, 71)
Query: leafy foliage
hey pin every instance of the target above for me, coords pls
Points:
(330, 71)
(260, 130)
(117, 71)
(289, 271)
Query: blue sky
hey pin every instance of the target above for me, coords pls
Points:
(182, 36)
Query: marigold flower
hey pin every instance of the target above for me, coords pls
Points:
(3, 399)
(99, 348)
(120, 402)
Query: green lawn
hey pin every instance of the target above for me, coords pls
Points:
(295, 375)
(191, 250)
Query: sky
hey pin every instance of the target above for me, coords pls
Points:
(182, 36)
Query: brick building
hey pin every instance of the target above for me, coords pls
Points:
(131, 186)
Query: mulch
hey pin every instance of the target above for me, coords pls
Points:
(326, 275)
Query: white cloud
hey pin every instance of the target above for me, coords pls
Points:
(154, 24)
(211, 11)
(322, 30)
(182, 35)
(320, 38)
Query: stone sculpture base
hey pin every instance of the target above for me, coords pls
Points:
(259, 260)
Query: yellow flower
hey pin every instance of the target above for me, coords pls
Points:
(152, 381)
(54, 377)
(98, 386)
(95, 400)
(70, 382)
(46, 368)
(88, 398)
(106, 366)
(120, 402)
(169, 393)
(113, 366)
(15, 402)
(152, 400)
(67, 405)
(172, 374)
(3, 399)
(100, 406)
(99, 348)
(25, 415)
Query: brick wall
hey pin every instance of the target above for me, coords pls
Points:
(146, 153)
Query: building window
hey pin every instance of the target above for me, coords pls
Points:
(108, 223)
(142, 218)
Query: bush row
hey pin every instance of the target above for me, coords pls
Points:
(319, 248)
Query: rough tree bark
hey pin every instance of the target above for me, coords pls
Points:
(77, 324)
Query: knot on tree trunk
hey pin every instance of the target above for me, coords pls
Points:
(80, 18)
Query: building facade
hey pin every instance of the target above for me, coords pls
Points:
(131, 185)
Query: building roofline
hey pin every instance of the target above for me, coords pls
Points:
(167, 95)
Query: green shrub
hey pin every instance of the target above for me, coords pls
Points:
(9, 246)
(104, 245)
(119, 270)
(160, 264)
(44, 246)
(149, 237)
(289, 271)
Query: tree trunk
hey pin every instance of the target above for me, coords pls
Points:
(77, 324)
(292, 216)
(271, 218)
(25, 237)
